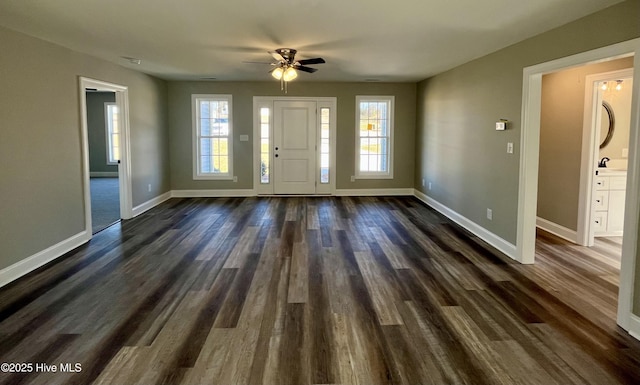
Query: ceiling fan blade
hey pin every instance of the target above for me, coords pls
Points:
(277, 56)
(317, 60)
(260, 62)
(305, 69)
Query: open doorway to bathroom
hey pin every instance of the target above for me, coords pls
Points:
(569, 191)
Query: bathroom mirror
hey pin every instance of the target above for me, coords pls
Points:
(608, 124)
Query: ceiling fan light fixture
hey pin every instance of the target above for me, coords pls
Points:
(290, 74)
(277, 73)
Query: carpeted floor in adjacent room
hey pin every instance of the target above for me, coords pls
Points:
(105, 203)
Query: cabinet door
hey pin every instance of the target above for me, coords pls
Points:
(601, 200)
(602, 183)
(615, 219)
(599, 223)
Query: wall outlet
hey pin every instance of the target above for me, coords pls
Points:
(625, 152)
(235, 178)
(353, 178)
(429, 185)
(149, 187)
(489, 214)
(422, 182)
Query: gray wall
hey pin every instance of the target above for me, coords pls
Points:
(97, 131)
(243, 93)
(41, 192)
(561, 122)
(457, 147)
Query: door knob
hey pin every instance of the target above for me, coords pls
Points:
(276, 155)
(276, 148)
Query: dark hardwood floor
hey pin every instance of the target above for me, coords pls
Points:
(323, 290)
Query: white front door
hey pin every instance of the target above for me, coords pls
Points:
(294, 147)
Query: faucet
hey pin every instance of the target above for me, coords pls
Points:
(603, 162)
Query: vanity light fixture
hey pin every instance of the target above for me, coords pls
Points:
(618, 85)
(604, 86)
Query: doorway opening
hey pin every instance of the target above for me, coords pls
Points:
(105, 144)
(528, 184)
(104, 155)
(294, 145)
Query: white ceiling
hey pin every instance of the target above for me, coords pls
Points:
(388, 40)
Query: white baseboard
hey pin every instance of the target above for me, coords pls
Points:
(27, 265)
(374, 192)
(634, 326)
(151, 203)
(503, 246)
(556, 229)
(103, 174)
(212, 193)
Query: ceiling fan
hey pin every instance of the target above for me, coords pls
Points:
(286, 66)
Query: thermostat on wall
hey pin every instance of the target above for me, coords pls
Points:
(501, 125)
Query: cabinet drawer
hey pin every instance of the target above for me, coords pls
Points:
(618, 183)
(602, 183)
(601, 200)
(600, 222)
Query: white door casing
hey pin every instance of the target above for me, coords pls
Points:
(124, 168)
(294, 147)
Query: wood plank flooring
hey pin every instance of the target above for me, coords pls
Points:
(306, 290)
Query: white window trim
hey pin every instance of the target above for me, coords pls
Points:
(195, 118)
(107, 130)
(369, 174)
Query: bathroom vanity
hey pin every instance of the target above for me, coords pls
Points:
(609, 196)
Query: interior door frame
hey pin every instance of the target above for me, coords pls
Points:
(124, 169)
(590, 146)
(529, 155)
(321, 102)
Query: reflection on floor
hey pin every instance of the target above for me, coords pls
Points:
(610, 248)
(105, 203)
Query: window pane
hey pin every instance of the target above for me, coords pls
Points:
(264, 130)
(223, 164)
(324, 160)
(204, 109)
(324, 175)
(264, 115)
(205, 164)
(324, 131)
(264, 168)
(223, 146)
(364, 166)
(324, 115)
(324, 147)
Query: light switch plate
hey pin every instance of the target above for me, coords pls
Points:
(510, 148)
(244, 138)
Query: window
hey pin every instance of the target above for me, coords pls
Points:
(264, 145)
(324, 144)
(213, 140)
(113, 133)
(374, 137)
